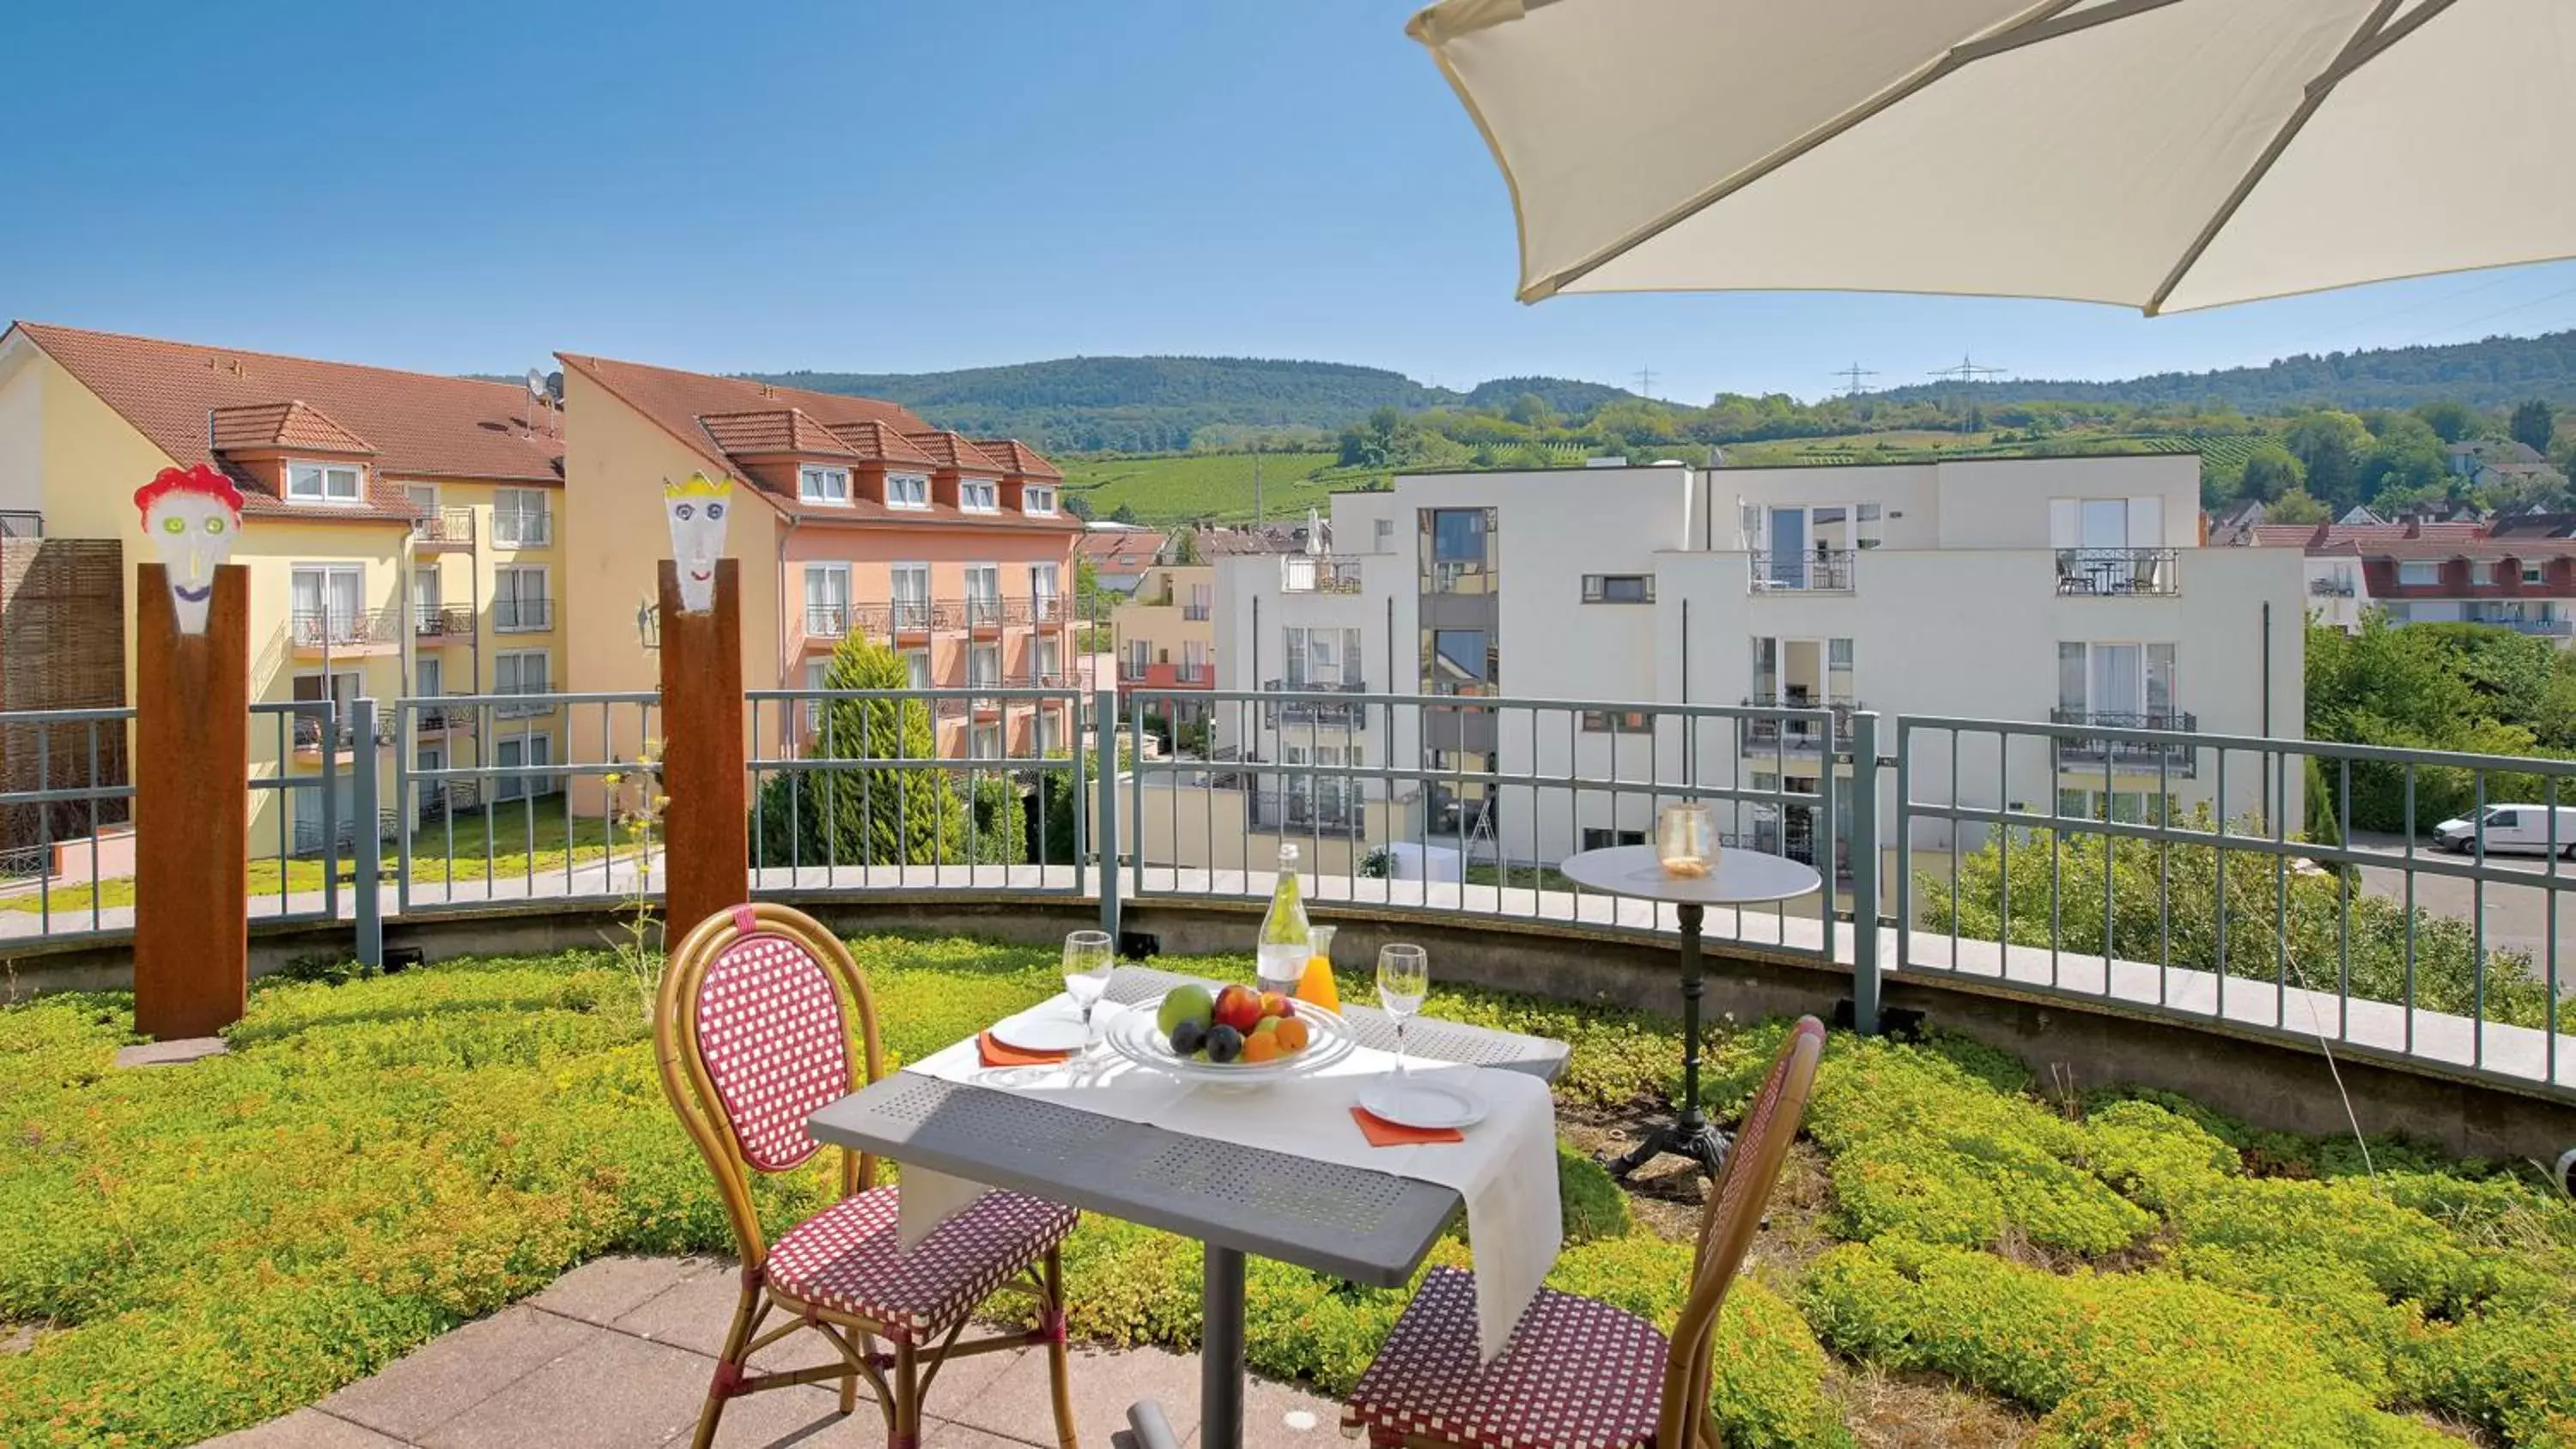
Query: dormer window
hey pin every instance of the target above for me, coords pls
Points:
(324, 482)
(1034, 499)
(979, 495)
(823, 485)
(907, 490)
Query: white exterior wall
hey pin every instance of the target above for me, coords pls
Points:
(22, 427)
(1956, 614)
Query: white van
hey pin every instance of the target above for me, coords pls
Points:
(2510, 830)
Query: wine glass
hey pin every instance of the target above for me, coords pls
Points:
(1403, 979)
(1087, 963)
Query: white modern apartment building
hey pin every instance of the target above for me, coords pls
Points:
(2072, 590)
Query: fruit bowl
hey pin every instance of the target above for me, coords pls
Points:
(1138, 1037)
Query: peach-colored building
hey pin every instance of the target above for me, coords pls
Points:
(852, 516)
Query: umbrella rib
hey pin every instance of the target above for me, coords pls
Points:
(2373, 38)
(2041, 22)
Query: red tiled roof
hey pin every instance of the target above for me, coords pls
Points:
(676, 400)
(419, 426)
(1132, 546)
(1018, 458)
(952, 450)
(775, 430)
(877, 442)
(286, 425)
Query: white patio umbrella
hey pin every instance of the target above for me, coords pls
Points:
(2161, 154)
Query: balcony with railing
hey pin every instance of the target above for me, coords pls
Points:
(522, 615)
(1329, 809)
(440, 719)
(440, 529)
(1313, 573)
(1817, 571)
(309, 731)
(1299, 706)
(1197, 613)
(434, 625)
(2544, 627)
(528, 710)
(320, 633)
(2177, 758)
(21, 523)
(2331, 586)
(1794, 734)
(524, 528)
(2116, 572)
(827, 621)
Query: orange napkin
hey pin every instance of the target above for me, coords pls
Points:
(998, 1053)
(1382, 1133)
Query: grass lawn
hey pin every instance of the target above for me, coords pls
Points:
(504, 828)
(1212, 486)
(1955, 1258)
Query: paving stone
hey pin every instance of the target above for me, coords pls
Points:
(948, 1434)
(808, 1417)
(1105, 1382)
(602, 1290)
(1289, 1416)
(172, 1053)
(457, 1370)
(696, 1312)
(613, 1392)
(304, 1429)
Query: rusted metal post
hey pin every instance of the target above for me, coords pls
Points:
(191, 810)
(707, 830)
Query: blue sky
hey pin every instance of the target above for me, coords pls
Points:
(882, 186)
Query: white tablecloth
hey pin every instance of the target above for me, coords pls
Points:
(1505, 1169)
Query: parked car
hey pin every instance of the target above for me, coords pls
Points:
(2511, 830)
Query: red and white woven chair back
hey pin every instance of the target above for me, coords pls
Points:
(1733, 1216)
(775, 1045)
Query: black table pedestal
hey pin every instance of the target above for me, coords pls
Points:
(1690, 1134)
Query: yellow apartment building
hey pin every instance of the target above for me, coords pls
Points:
(400, 529)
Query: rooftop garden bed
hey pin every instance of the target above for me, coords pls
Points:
(1960, 1254)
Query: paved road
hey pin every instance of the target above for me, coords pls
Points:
(2517, 916)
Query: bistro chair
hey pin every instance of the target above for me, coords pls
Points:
(752, 1033)
(1578, 1373)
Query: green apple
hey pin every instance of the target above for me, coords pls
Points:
(1185, 1003)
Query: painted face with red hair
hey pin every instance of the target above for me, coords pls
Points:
(191, 516)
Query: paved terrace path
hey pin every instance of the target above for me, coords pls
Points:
(616, 1355)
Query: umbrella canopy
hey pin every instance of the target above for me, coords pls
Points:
(2161, 154)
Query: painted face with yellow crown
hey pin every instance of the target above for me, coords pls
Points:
(697, 510)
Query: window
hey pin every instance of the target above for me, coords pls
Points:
(2419, 573)
(2131, 684)
(916, 668)
(1050, 733)
(1046, 664)
(983, 593)
(823, 485)
(324, 604)
(522, 752)
(1194, 661)
(1462, 661)
(979, 495)
(520, 517)
(1322, 658)
(984, 666)
(810, 712)
(1618, 588)
(984, 742)
(519, 602)
(1596, 838)
(429, 677)
(323, 482)
(907, 490)
(827, 600)
(521, 671)
(1035, 499)
(1385, 537)
(1625, 721)
(2533, 573)
(1460, 552)
(1043, 607)
(911, 591)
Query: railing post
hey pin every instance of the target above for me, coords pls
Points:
(366, 843)
(1864, 848)
(1104, 744)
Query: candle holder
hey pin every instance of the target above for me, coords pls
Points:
(1686, 839)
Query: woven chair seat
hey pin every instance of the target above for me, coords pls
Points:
(846, 1259)
(1578, 1374)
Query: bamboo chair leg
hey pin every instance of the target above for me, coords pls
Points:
(729, 1365)
(1059, 1367)
(907, 1398)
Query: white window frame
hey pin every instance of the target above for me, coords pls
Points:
(518, 787)
(979, 495)
(1045, 604)
(907, 490)
(333, 627)
(978, 674)
(911, 610)
(2431, 569)
(505, 587)
(522, 518)
(322, 474)
(1038, 498)
(834, 598)
(517, 660)
(975, 737)
(916, 665)
(824, 484)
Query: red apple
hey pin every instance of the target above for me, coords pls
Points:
(1238, 1007)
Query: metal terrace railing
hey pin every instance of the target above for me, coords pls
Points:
(2278, 890)
(1815, 571)
(2108, 572)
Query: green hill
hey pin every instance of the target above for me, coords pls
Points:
(1209, 487)
(1157, 404)
(2494, 373)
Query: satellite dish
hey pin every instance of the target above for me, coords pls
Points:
(536, 383)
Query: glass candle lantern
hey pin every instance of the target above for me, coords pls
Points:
(1686, 839)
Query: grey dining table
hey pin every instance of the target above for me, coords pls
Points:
(1372, 1228)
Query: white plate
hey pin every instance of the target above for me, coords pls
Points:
(1428, 1102)
(1052, 1028)
(1135, 1036)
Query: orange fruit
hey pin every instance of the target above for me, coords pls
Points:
(1261, 1047)
(1316, 985)
(1291, 1035)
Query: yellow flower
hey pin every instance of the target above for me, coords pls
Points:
(610, 779)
